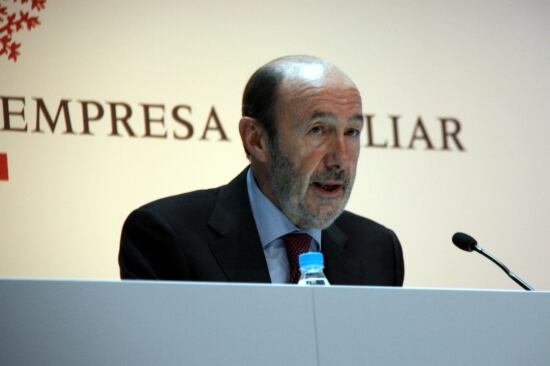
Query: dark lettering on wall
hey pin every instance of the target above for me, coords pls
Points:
(148, 120)
(87, 118)
(213, 116)
(370, 133)
(116, 118)
(395, 130)
(445, 122)
(420, 133)
(188, 126)
(41, 110)
(7, 113)
(392, 132)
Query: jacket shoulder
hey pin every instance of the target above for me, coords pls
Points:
(182, 202)
(377, 246)
(350, 222)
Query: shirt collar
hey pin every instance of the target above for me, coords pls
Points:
(271, 222)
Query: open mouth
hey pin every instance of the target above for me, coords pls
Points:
(328, 188)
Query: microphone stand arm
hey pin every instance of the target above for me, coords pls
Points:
(510, 274)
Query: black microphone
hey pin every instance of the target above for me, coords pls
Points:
(467, 243)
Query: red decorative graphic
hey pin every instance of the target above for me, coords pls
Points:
(4, 166)
(14, 20)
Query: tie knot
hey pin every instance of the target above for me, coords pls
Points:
(297, 240)
(296, 244)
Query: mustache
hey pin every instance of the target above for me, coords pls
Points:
(333, 174)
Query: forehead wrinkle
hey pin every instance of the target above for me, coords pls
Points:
(333, 104)
(306, 89)
(338, 103)
(314, 109)
(296, 95)
(313, 96)
(323, 115)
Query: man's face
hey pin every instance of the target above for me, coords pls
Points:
(313, 159)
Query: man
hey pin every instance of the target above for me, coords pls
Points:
(301, 127)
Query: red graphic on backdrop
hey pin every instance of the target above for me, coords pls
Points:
(4, 166)
(14, 18)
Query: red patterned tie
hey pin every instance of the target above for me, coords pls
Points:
(296, 244)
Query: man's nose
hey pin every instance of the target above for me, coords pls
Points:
(337, 155)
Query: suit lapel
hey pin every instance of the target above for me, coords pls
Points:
(239, 252)
(238, 249)
(341, 266)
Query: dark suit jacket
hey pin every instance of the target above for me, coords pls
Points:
(210, 235)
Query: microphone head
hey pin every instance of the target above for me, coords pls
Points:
(464, 241)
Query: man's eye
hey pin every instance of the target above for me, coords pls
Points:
(353, 132)
(317, 130)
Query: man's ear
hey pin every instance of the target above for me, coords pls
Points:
(254, 138)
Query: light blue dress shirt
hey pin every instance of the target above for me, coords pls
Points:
(272, 225)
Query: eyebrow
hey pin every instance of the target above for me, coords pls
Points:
(330, 116)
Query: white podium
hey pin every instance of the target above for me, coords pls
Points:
(163, 323)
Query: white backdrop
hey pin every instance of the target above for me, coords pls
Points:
(483, 63)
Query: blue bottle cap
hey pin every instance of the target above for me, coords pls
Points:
(311, 259)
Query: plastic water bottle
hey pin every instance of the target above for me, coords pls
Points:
(311, 269)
